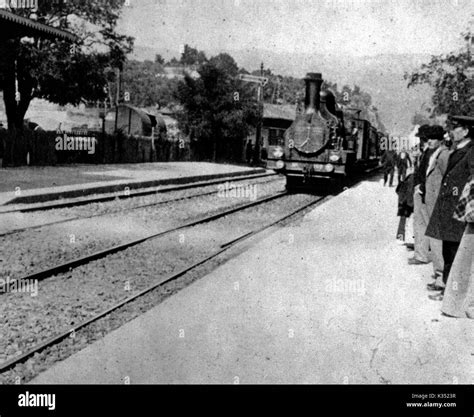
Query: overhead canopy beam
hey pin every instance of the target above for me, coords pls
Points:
(14, 26)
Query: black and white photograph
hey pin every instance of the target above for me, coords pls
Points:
(237, 192)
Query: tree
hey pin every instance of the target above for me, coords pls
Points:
(449, 76)
(159, 59)
(218, 109)
(192, 56)
(56, 70)
(173, 62)
(226, 64)
(280, 88)
(146, 85)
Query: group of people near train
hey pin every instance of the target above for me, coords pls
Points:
(391, 160)
(437, 188)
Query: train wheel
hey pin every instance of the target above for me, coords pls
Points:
(292, 183)
(338, 184)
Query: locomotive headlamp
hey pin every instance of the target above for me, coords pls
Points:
(329, 167)
(334, 157)
(278, 152)
(280, 164)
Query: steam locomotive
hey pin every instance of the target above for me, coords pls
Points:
(324, 142)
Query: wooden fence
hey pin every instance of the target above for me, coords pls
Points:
(52, 148)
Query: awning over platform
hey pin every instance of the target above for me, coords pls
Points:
(17, 26)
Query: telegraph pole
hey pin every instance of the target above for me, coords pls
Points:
(261, 81)
(117, 97)
(258, 133)
(117, 102)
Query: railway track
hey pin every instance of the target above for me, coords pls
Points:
(73, 202)
(69, 265)
(34, 357)
(140, 206)
(55, 340)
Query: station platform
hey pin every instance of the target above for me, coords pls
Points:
(29, 185)
(329, 299)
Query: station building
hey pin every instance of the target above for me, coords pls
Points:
(276, 119)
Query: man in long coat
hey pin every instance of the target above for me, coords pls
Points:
(420, 212)
(388, 161)
(437, 165)
(442, 225)
(459, 294)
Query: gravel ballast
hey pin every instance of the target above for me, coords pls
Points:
(68, 299)
(33, 250)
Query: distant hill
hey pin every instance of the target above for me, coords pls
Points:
(379, 75)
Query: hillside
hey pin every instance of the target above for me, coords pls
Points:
(379, 75)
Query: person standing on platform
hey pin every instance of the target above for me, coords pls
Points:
(434, 174)
(459, 294)
(442, 224)
(249, 152)
(405, 203)
(388, 161)
(403, 163)
(420, 212)
(3, 133)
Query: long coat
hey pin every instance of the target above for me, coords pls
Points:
(458, 298)
(434, 176)
(405, 197)
(420, 171)
(442, 225)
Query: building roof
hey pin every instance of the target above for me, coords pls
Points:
(279, 111)
(151, 119)
(18, 26)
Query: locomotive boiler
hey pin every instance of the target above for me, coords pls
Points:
(324, 142)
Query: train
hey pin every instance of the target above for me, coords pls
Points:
(324, 142)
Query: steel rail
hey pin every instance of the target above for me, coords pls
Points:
(71, 331)
(121, 210)
(74, 263)
(150, 190)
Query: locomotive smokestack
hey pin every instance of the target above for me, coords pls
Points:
(313, 82)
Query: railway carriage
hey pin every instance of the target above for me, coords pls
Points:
(324, 142)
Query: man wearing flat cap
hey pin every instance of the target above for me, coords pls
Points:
(420, 212)
(442, 225)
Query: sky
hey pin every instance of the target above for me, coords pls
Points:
(349, 27)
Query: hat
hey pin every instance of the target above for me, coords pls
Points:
(435, 132)
(466, 121)
(422, 131)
